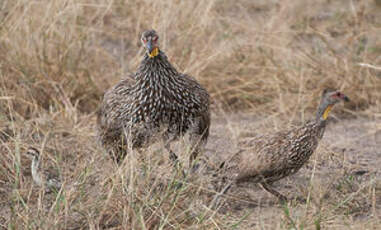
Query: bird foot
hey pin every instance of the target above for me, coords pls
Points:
(194, 168)
(282, 199)
(217, 198)
(301, 199)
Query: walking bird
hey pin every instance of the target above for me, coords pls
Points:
(157, 102)
(270, 158)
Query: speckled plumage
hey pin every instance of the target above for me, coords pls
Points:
(157, 102)
(269, 158)
(279, 155)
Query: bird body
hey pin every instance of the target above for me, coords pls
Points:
(279, 155)
(157, 102)
(270, 158)
(42, 177)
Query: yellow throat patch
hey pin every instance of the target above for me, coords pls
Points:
(154, 52)
(326, 111)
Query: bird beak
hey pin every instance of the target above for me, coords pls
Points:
(149, 46)
(152, 51)
(343, 97)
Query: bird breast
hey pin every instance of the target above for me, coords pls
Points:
(160, 99)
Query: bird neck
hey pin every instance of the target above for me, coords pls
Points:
(154, 53)
(319, 127)
(36, 162)
(323, 112)
(36, 171)
(155, 68)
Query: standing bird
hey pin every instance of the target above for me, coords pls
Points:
(42, 177)
(157, 101)
(270, 158)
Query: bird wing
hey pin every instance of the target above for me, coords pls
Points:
(270, 155)
(113, 106)
(197, 89)
(201, 112)
(264, 155)
(118, 95)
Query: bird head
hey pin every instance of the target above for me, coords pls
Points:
(330, 97)
(150, 41)
(33, 153)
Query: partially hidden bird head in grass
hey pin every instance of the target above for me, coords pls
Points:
(33, 153)
(329, 98)
(150, 41)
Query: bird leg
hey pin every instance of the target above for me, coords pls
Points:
(167, 145)
(174, 158)
(117, 155)
(281, 197)
(193, 166)
(118, 151)
(196, 142)
(216, 198)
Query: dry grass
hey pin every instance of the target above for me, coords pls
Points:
(268, 58)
